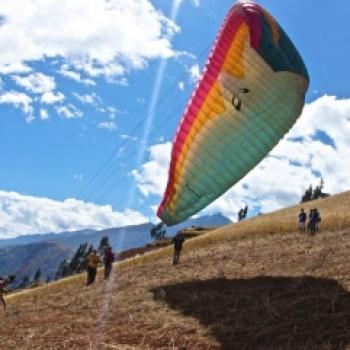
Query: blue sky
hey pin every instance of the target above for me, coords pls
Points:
(85, 134)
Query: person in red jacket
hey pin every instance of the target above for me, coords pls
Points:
(108, 260)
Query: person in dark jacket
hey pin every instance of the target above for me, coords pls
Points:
(317, 219)
(302, 220)
(108, 260)
(313, 220)
(178, 241)
(310, 228)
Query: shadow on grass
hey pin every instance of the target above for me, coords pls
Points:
(267, 313)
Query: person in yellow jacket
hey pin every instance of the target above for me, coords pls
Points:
(93, 261)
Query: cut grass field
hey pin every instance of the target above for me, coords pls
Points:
(257, 284)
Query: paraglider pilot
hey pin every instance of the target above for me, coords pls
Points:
(178, 241)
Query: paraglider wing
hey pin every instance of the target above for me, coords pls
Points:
(251, 92)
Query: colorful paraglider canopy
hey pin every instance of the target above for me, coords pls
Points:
(251, 92)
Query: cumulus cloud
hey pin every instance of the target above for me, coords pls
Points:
(19, 100)
(51, 97)
(44, 115)
(9, 68)
(36, 83)
(76, 76)
(98, 37)
(181, 85)
(318, 145)
(194, 72)
(69, 112)
(151, 178)
(91, 99)
(20, 214)
(107, 125)
(112, 111)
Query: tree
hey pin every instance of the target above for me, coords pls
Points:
(314, 193)
(25, 282)
(158, 231)
(242, 213)
(78, 261)
(37, 275)
(318, 193)
(77, 264)
(307, 196)
(63, 270)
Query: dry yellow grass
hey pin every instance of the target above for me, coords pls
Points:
(240, 287)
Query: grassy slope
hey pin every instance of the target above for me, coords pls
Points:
(240, 287)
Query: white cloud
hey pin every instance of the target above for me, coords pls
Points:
(99, 37)
(9, 68)
(181, 85)
(112, 112)
(44, 115)
(196, 3)
(69, 112)
(36, 83)
(76, 76)
(108, 126)
(318, 144)
(152, 177)
(92, 99)
(19, 100)
(128, 137)
(51, 97)
(21, 214)
(194, 72)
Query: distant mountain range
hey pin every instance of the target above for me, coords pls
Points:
(24, 260)
(24, 255)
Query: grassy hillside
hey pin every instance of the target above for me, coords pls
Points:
(252, 285)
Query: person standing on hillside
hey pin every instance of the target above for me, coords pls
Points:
(93, 261)
(310, 222)
(4, 282)
(317, 219)
(314, 219)
(302, 220)
(178, 241)
(108, 259)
